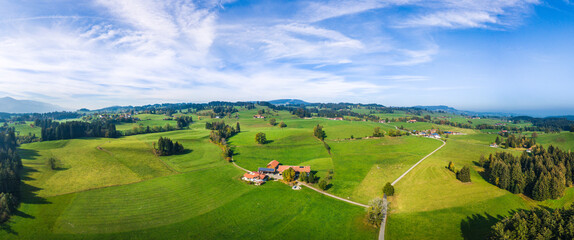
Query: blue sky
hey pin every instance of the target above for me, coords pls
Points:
(495, 55)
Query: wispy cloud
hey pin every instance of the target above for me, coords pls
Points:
(469, 13)
(141, 51)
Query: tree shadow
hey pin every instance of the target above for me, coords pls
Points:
(6, 227)
(185, 151)
(329, 186)
(28, 154)
(268, 142)
(27, 195)
(477, 226)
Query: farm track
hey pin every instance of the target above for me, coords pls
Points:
(382, 230)
(384, 222)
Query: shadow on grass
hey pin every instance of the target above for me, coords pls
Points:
(28, 154)
(27, 195)
(478, 226)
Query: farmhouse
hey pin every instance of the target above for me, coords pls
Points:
(412, 121)
(336, 119)
(298, 169)
(273, 164)
(258, 116)
(257, 178)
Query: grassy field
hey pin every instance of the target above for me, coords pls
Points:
(117, 188)
(431, 204)
(82, 166)
(109, 194)
(362, 167)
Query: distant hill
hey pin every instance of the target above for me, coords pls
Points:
(463, 112)
(569, 117)
(288, 102)
(11, 105)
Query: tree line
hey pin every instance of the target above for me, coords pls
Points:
(536, 224)
(542, 174)
(52, 130)
(220, 132)
(10, 166)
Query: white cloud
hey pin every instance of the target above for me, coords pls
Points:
(146, 51)
(469, 13)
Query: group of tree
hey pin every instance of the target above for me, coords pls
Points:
(513, 141)
(319, 133)
(52, 130)
(111, 118)
(220, 132)
(394, 133)
(183, 121)
(376, 211)
(261, 138)
(541, 174)
(10, 166)
(462, 175)
(308, 178)
(140, 129)
(378, 133)
(539, 223)
(166, 147)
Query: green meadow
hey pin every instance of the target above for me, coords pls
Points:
(117, 189)
(105, 188)
(430, 203)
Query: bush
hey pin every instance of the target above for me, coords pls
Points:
(323, 184)
(389, 189)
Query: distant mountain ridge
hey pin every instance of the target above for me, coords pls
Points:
(464, 112)
(288, 102)
(11, 105)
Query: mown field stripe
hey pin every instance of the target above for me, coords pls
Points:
(404, 174)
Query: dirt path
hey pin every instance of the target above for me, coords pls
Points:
(333, 196)
(384, 223)
(404, 174)
(99, 147)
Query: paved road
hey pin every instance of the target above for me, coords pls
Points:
(333, 196)
(384, 223)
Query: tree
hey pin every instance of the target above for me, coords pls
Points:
(451, 167)
(282, 124)
(303, 177)
(389, 189)
(319, 133)
(323, 184)
(497, 141)
(377, 132)
(237, 127)
(288, 174)
(376, 211)
(464, 174)
(311, 178)
(260, 138)
(273, 121)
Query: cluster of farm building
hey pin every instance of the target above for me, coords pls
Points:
(275, 170)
